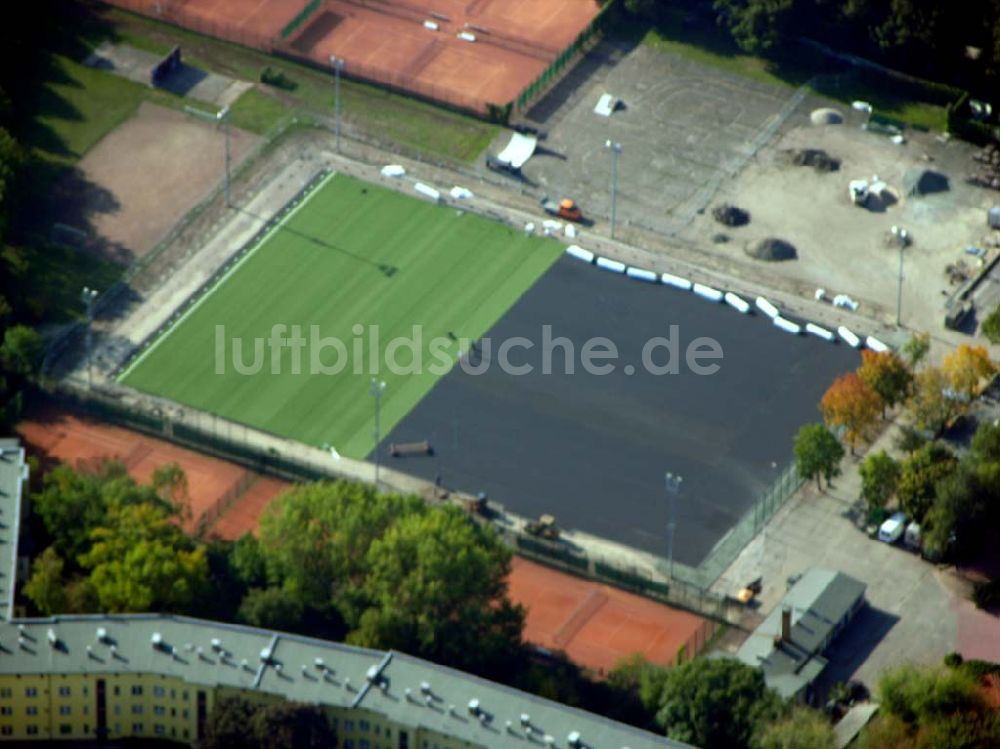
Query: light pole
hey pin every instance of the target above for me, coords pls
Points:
(223, 117)
(338, 65)
(377, 387)
(616, 149)
(673, 484)
(87, 296)
(899, 285)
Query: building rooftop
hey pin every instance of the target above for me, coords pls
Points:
(408, 690)
(819, 601)
(13, 475)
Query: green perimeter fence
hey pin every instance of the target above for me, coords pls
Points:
(568, 56)
(677, 584)
(300, 18)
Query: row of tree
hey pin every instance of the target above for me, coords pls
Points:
(957, 43)
(949, 497)
(926, 707)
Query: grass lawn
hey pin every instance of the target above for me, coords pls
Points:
(353, 254)
(257, 112)
(77, 106)
(691, 39)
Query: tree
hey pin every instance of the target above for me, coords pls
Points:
(21, 351)
(236, 723)
(292, 724)
(247, 561)
(142, 561)
(229, 725)
(991, 326)
(933, 405)
(398, 573)
(803, 728)
(910, 439)
(715, 702)
(966, 367)
(755, 25)
(72, 503)
(315, 540)
(919, 476)
(879, 477)
(920, 694)
(817, 453)
(916, 348)
(850, 403)
(271, 608)
(437, 586)
(887, 375)
(46, 588)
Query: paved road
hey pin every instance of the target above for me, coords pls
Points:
(592, 450)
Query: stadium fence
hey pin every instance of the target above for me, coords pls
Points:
(567, 58)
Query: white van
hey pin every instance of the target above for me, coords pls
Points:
(892, 529)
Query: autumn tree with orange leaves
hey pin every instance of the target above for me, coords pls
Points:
(966, 368)
(887, 374)
(851, 404)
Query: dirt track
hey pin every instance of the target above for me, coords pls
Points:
(150, 172)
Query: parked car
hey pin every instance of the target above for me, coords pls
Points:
(892, 529)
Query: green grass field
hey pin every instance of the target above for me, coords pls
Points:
(353, 254)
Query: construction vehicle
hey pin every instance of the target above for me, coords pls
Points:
(565, 208)
(544, 527)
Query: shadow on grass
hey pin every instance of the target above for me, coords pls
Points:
(385, 269)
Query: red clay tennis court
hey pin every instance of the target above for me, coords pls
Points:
(212, 484)
(469, 53)
(597, 625)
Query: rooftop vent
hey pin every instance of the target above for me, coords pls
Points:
(157, 640)
(372, 674)
(525, 720)
(425, 687)
(52, 637)
(573, 739)
(266, 655)
(347, 682)
(407, 693)
(216, 644)
(245, 664)
(474, 706)
(320, 665)
(102, 635)
(509, 725)
(549, 740)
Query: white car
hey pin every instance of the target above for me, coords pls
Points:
(892, 529)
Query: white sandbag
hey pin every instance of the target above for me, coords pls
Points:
(707, 292)
(427, 191)
(787, 325)
(875, 344)
(393, 170)
(819, 332)
(737, 303)
(641, 274)
(579, 253)
(614, 266)
(849, 338)
(766, 307)
(676, 281)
